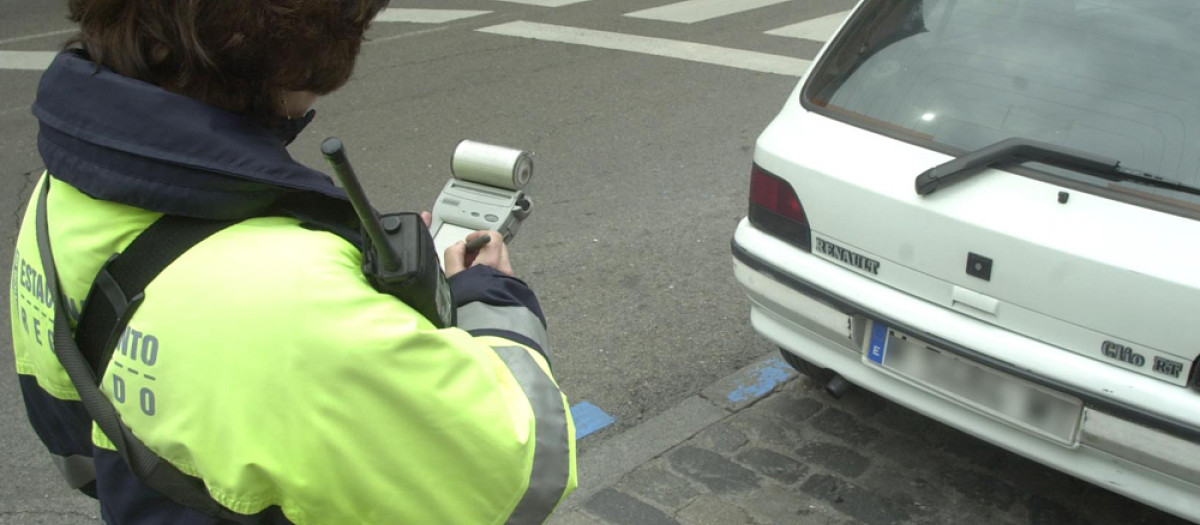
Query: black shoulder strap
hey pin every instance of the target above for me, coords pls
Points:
(322, 214)
(120, 285)
(117, 291)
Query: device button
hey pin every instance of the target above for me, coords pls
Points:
(391, 224)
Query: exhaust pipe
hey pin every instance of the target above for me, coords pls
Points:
(838, 386)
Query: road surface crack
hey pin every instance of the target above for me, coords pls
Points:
(29, 179)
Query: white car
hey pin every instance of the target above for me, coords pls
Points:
(987, 211)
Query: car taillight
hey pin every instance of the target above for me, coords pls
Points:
(775, 209)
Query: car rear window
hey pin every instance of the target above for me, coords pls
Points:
(1113, 77)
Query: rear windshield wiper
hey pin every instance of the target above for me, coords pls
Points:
(1019, 150)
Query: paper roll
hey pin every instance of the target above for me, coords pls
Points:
(492, 165)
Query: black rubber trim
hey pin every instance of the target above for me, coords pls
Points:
(1195, 382)
(1195, 375)
(1116, 408)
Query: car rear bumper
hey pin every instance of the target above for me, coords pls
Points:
(824, 314)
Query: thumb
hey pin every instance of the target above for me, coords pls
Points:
(455, 258)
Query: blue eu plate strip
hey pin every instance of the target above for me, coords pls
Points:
(879, 339)
(589, 418)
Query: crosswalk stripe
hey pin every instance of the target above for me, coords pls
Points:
(27, 60)
(426, 16)
(37, 36)
(818, 29)
(692, 11)
(545, 3)
(705, 53)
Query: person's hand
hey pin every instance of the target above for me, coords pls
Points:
(494, 254)
(428, 218)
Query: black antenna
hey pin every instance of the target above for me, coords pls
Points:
(335, 153)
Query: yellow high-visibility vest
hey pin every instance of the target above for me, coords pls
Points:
(263, 363)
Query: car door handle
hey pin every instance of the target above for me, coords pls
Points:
(975, 300)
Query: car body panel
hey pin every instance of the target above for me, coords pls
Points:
(1050, 259)
(1152, 408)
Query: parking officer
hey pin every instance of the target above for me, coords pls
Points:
(233, 364)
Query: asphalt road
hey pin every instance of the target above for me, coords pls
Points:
(642, 168)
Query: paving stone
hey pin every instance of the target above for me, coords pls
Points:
(1144, 516)
(711, 510)
(1024, 472)
(609, 461)
(838, 458)
(773, 464)
(573, 517)
(807, 386)
(842, 425)
(904, 451)
(716, 472)
(775, 505)
(789, 406)
(1045, 512)
(979, 487)
(860, 504)
(654, 483)
(913, 425)
(1087, 503)
(767, 431)
(920, 496)
(973, 449)
(862, 403)
(722, 439)
(901, 419)
(619, 508)
(1032, 478)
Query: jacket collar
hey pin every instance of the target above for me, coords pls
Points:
(128, 141)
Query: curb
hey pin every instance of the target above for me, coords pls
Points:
(608, 462)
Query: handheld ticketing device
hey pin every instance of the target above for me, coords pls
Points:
(486, 193)
(399, 257)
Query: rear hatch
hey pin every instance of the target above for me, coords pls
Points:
(1067, 255)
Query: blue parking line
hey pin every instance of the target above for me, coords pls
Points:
(589, 418)
(770, 376)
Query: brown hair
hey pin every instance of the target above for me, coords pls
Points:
(239, 55)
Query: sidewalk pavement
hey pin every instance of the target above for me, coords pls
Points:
(765, 447)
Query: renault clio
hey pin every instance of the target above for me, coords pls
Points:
(988, 211)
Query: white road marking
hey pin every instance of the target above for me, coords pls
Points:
(413, 34)
(545, 3)
(705, 53)
(692, 11)
(27, 60)
(818, 29)
(36, 36)
(426, 16)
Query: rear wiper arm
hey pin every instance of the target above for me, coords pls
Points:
(1018, 150)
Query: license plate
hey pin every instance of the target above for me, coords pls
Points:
(1010, 399)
